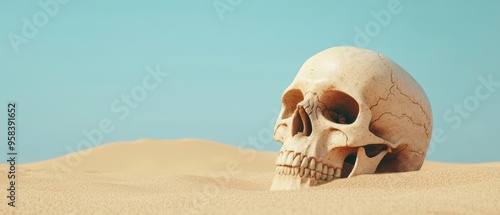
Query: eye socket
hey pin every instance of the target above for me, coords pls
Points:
(290, 100)
(342, 108)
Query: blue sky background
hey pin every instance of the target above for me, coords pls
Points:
(226, 76)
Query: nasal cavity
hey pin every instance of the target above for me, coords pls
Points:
(301, 124)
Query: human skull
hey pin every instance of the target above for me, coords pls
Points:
(350, 111)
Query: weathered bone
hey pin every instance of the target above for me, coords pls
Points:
(342, 101)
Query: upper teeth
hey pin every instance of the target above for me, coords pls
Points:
(290, 163)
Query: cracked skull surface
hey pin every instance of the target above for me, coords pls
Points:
(350, 111)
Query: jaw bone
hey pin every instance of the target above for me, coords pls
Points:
(364, 164)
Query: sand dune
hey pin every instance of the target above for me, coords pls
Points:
(160, 157)
(202, 177)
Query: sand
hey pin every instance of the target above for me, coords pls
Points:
(202, 177)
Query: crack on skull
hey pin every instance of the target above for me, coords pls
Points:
(400, 92)
(395, 157)
(307, 105)
(418, 104)
(322, 110)
(345, 135)
(390, 89)
(399, 117)
(310, 106)
(417, 152)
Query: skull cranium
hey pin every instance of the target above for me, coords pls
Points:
(350, 111)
